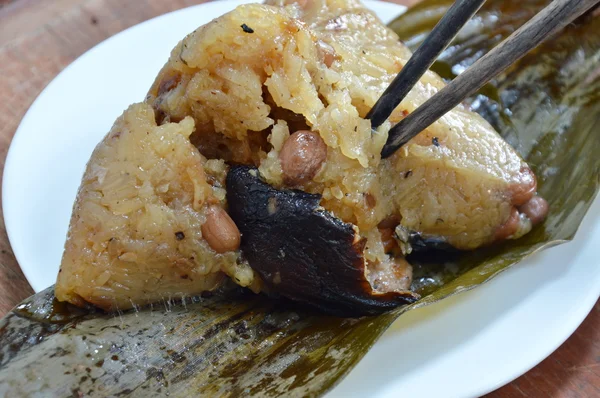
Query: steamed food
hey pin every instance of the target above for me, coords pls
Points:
(251, 161)
(142, 226)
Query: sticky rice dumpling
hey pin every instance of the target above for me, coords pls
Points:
(251, 160)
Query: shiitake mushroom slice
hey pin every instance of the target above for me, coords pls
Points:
(301, 251)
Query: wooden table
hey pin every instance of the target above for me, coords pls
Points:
(38, 38)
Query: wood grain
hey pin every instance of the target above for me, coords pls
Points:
(38, 38)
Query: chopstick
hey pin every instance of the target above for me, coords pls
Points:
(543, 25)
(436, 42)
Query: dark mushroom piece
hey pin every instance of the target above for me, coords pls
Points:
(301, 251)
(420, 243)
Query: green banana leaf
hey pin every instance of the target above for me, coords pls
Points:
(547, 106)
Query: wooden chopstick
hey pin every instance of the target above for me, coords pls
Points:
(437, 40)
(543, 25)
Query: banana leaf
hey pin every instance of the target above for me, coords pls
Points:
(231, 344)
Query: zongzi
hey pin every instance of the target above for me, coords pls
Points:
(257, 124)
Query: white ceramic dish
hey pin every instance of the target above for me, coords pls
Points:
(464, 346)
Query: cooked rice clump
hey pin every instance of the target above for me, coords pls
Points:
(135, 235)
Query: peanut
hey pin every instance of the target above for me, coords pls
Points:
(522, 191)
(301, 157)
(536, 209)
(509, 227)
(219, 230)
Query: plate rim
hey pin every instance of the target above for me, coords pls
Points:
(11, 161)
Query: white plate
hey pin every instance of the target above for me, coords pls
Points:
(464, 346)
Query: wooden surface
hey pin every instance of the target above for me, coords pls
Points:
(38, 38)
